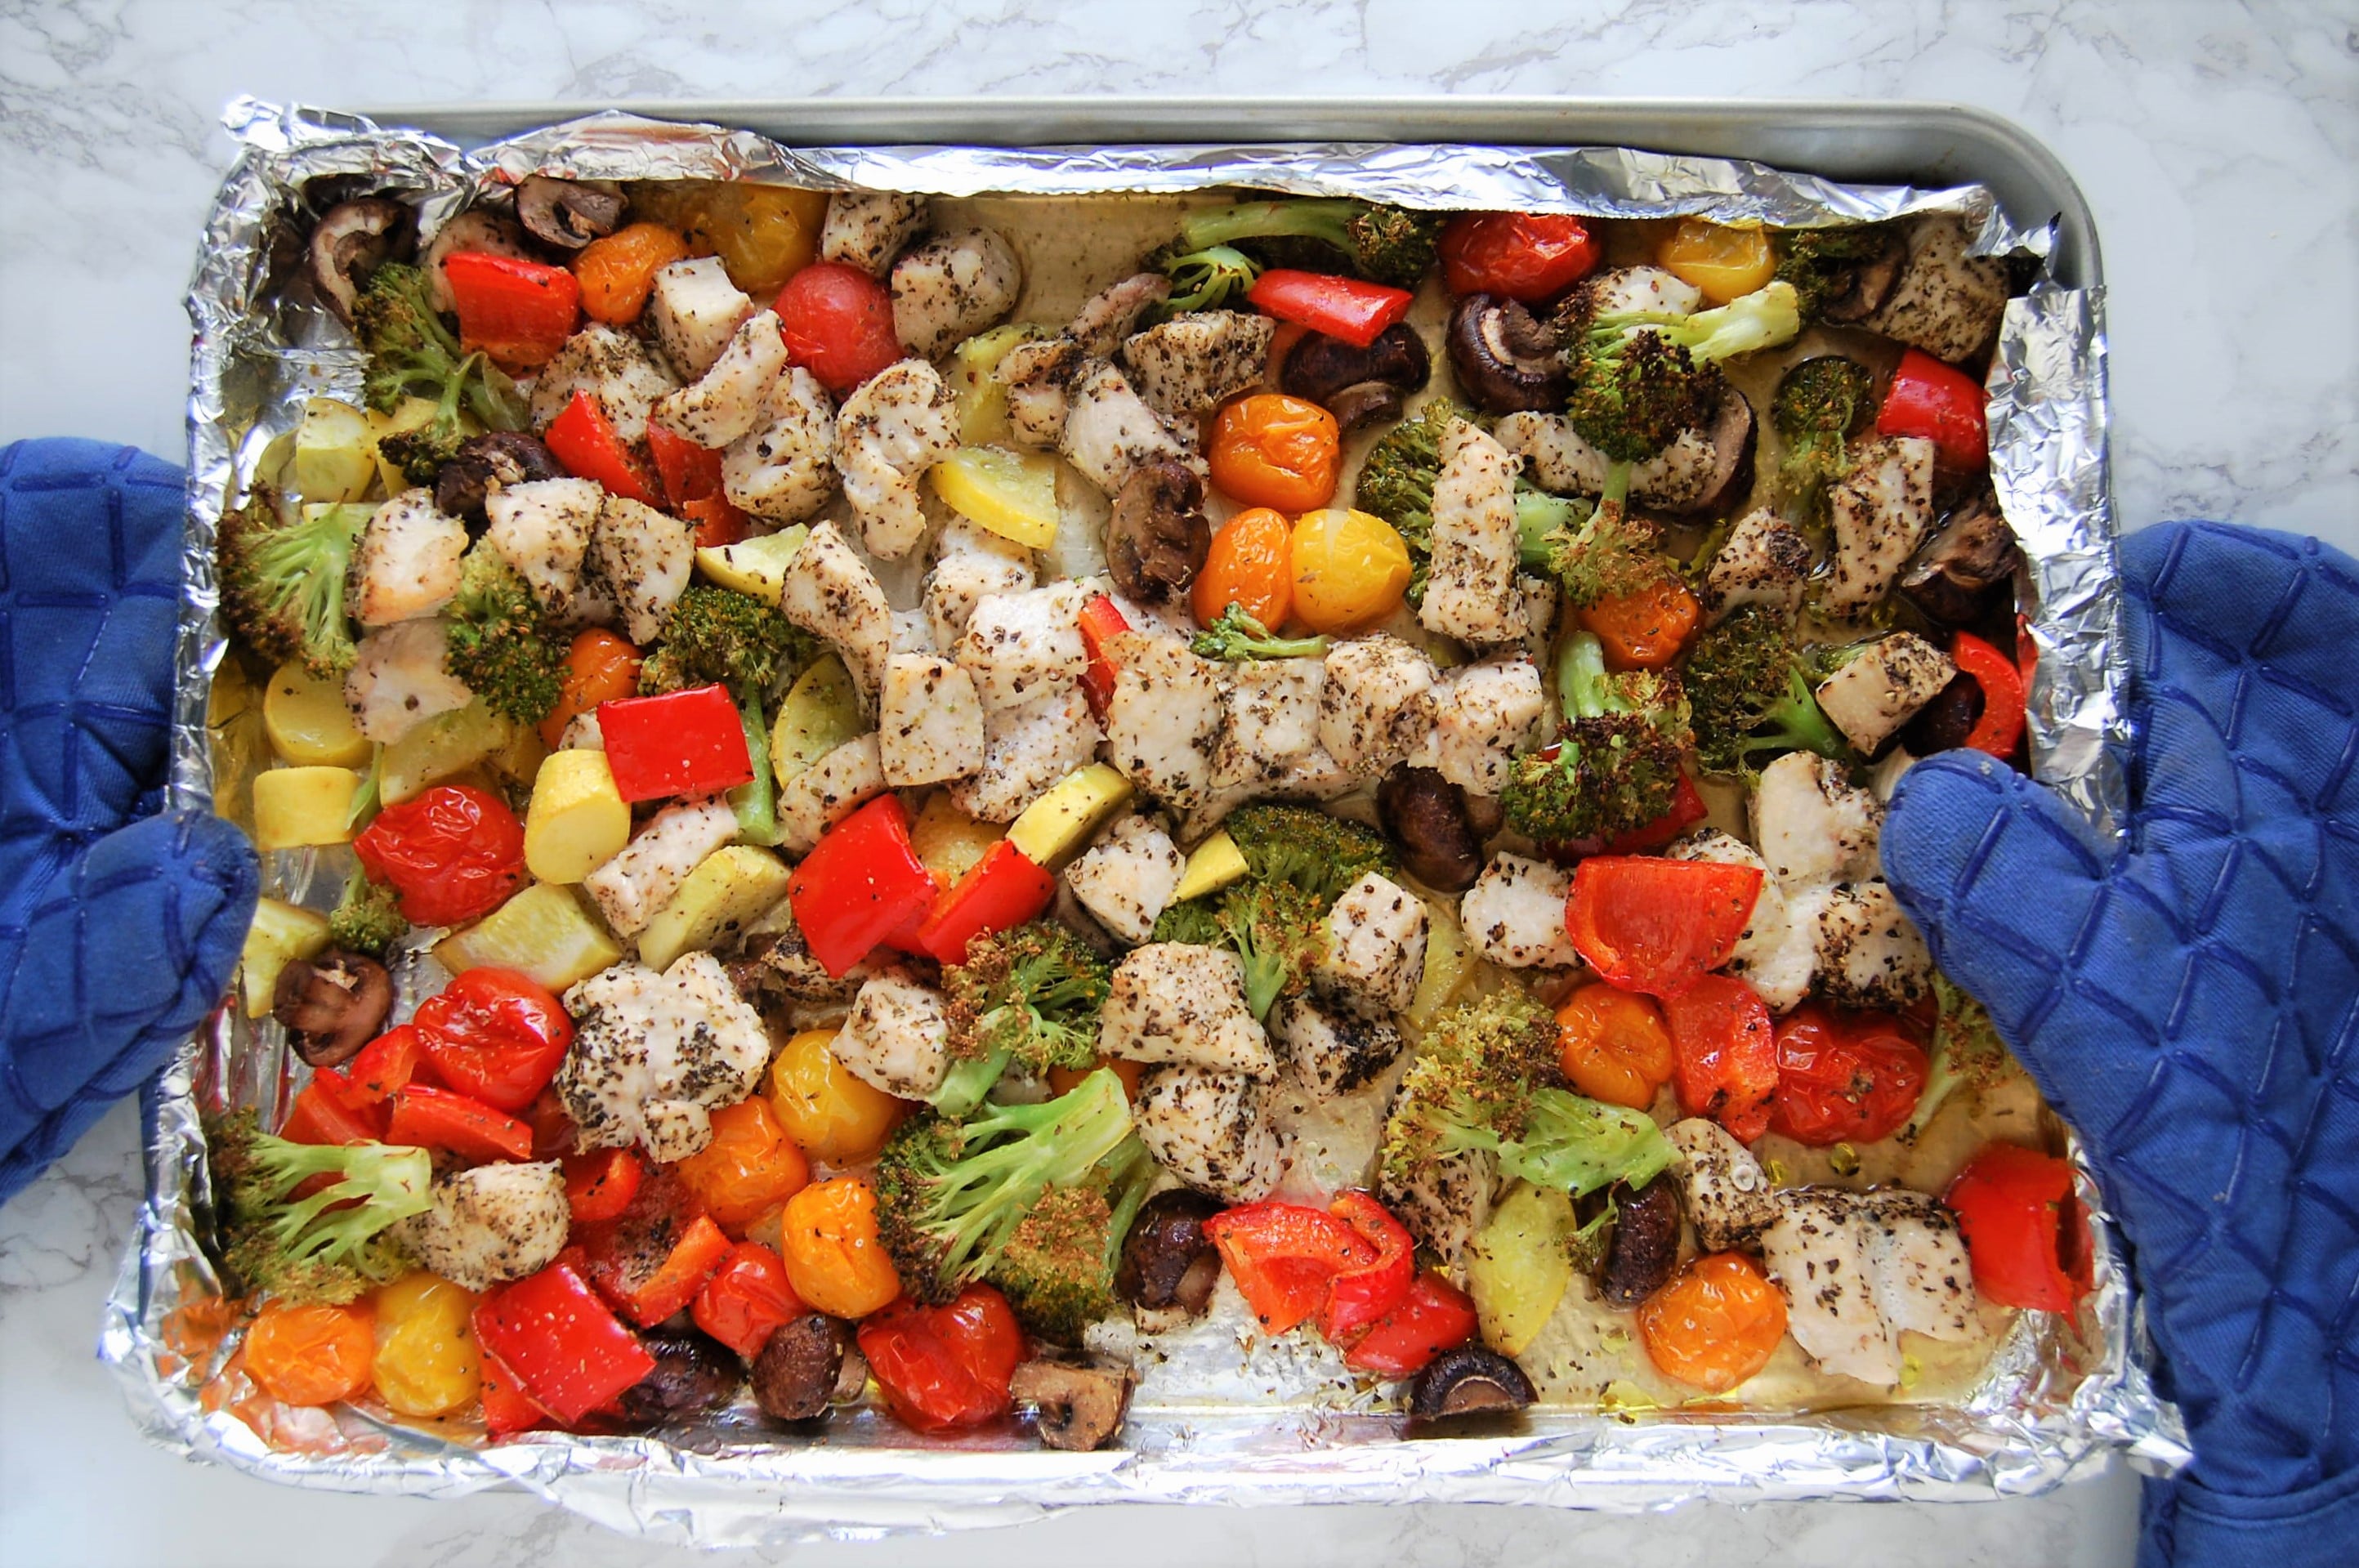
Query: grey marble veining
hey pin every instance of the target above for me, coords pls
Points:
(2215, 141)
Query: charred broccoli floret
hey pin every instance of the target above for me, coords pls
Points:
(282, 582)
(1029, 996)
(1397, 483)
(367, 917)
(1236, 636)
(330, 1246)
(1967, 1054)
(499, 647)
(720, 635)
(1818, 404)
(413, 355)
(1615, 768)
(1305, 847)
(1639, 377)
(1817, 263)
(1389, 244)
(1057, 1270)
(1749, 689)
(1606, 553)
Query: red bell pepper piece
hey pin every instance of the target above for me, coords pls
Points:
(1101, 621)
(2010, 1202)
(1344, 308)
(689, 742)
(1724, 1055)
(1657, 926)
(1357, 1298)
(568, 1351)
(2001, 725)
(747, 1299)
(386, 1065)
(517, 312)
(1284, 1256)
(1941, 403)
(649, 1296)
(437, 1118)
(507, 1409)
(323, 1114)
(718, 522)
(600, 1186)
(1434, 1315)
(1002, 890)
(584, 440)
(553, 1132)
(861, 883)
(689, 471)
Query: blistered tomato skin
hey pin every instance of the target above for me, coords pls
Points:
(1715, 1324)
(835, 1262)
(1251, 565)
(304, 1353)
(451, 853)
(748, 1169)
(1723, 261)
(1271, 450)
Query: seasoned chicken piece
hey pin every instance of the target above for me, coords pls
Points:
(1622, 289)
(1375, 947)
(1125, 879)
(1377, 702)
(643, 557)
(1540, 598)
(1020, 647)
(1515, 913)
(491, 1224)
(783, 467)
(1270, 720)
(775, 943)
(951, 287)
(1882, 508)
(1329, 1050)
(1869, 953)
(653, 1055)
(617, 372)
(400, 679)
(1038, 379)
(1175, 1001)
(1164, 718)
(542, 528)
(1923, 1281)
(726, 400)
(1109, 432)
(1815, 1251)
(928, 721)
(1944, 301)
(900, 423)
(1810, 825)
(970, 564)
(582, 733)
(1883, 686)
(1212, 1130)
(1560, 461)
(1471, 593)
(830, 593)
(1482, 716)
(1108, 316)
(828, 790)
(897, 1037)
(408, 563)
(1723, 1189)
(1886, 778)
(1195, 362)
(1763, 563)
(1024, 751)
(866, 229)
(1445, 1202)
(1776, 956)
(641, 879)
(693, 311)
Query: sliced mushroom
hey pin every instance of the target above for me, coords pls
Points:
(797, 1375)
(1645, 1244)
(693, 1373)
(1868, 282)
(1358, 385)
(1169, 1265)
(352, 241)
(568, 213)
(1943, 723)
(1506, 359)
(1957, 570)
(1425, 814)
(1078, 1403)
(1471, 1380)
(494, 234)
(1731, 480)
(332, 1004)
(487, 463)
(1158, 537)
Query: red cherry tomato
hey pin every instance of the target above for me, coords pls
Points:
(1844, 1077)
(496, 1035)
(2011, 1205)
(838, 323)
(451, 853)
(1657, 926)
(1285, 1257)
(948, 1365)
(1525, 256)
(1724, 1055)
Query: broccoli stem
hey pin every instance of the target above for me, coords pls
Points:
(757, 800)
(1316, 219)
(1581, 688)
(1538, 514)
(970, 1082)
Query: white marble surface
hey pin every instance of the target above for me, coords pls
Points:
(2216, 143)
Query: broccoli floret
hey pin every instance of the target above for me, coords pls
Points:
(1606, 553)
(1818, 404)
(282, 583)
(1967, 1054)
(1029, 996)
(1639, 377)
(1389, 244)
(1396, 480)
(1236, 636)
(1749, 689)
(413, 355)
(1817, 263)
(1207, 279)
(718, 635)
(499, 646)
(1302, 846)
(951, 1194)
(330, 1246)
(1615, 768)
(1057, 1270)
(367, 918)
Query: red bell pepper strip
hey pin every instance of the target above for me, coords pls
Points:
(1342, 307)
(600, 1186)
(689, 471)
(689, 742)
(1284, 1256)
(437, 1118)
(517, 312)
(1357, 1298)
(323, 1114)
(584, 440)
(1940, 403)
(386, 1065)
(747, 1299)
(646, 1297)
(2010, 1202)
(1101, 621)
(1724, 1055)
(1434, 1315)
(2001, 725)
(999, 892)
(718, 522)
(568, 1351)
(861, 883)
(1657, 926)
(508, 1410)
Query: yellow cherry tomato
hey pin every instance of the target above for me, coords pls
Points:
(426, 1359)
(1350, 569)
(764, 234)
(1721, 261)
(831, 1115)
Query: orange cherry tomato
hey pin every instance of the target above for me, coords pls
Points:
(305, 1354)
(1723, 261)
(1647, 629)
(1251, 565)
(1270, 450)
(1350, 569)
(832, 1114)
(834, 1260)
(1063, 1080)
(748, 1169)
(617, 273)
(1715, 1324)
(1613, 1045)
(599, 667)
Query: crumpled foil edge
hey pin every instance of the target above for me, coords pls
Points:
(2051, 1405)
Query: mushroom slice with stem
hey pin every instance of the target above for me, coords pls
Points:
(1471, 1380)
(1169, 1265)
(333, 1005)
(1078, 1403)
(1358, 385)
(1506, 359)
(1157, 537)
(568, 213)
(352, 241)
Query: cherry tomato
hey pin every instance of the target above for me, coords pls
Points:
(2011, 1205)
(832, 1114)
(833, 1257)
(426, 1362)
(494, 1035)
(1647, 629)
(1064, 1080)
(1271, 450)
(945, 1366)
(305, 1353)
(838, 323)
(1350, 569)
(1434, 1315)
(599, 667)
(1613, 1045)
(451, 853)
(618, 272)
(1716, 1324)
(1251, 565)
(748, 1169)
(1358, 1298)
(1721, 259)
(1530, 257)
(1657, 926)
(763, 233)
(747, 1299)
(1724, 1053)
(1844, 1077)
(1285, 1256)
(599, 1186)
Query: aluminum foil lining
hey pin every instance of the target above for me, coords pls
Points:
(1219, 1418)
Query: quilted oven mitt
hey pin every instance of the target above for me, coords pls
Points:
(2190, 1003)
(119, 926)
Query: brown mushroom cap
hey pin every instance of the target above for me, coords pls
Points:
(349, 243)
(1357, 385)
(1645, 1244)
(1471, 1380)
(1870, 281)
(1169, 1265)
(567, 213)
(1425, 815)
(1506, 358)
(333, 1005)
(796, 1375)
(487, 463)
(693, 1373)
(1954, 572)
(1077, 1403)
(1158, 537)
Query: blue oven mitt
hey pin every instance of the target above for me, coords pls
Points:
(119, 926)
(2191, 1004)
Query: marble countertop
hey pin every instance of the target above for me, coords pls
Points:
(2217, 144)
